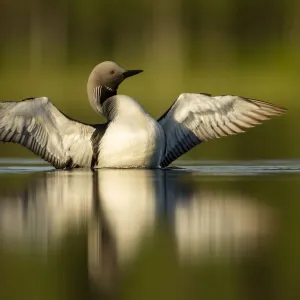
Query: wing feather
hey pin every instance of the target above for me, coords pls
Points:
(194, 118)
(39, 126)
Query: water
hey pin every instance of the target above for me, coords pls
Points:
(203, 229)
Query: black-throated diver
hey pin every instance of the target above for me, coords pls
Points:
(130, 138)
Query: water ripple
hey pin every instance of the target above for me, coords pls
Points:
(201, 167)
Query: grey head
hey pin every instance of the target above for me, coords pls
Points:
(104, 81)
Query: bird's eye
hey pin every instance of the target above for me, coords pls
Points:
(112, 72)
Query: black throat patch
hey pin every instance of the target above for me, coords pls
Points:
(102, 93)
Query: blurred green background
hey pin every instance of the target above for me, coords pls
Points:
(248, 48)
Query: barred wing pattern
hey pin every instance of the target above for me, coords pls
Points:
(195, 118)
(39, 126)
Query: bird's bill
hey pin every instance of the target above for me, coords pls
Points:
(130, 73)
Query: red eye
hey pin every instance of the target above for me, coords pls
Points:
(112, 72)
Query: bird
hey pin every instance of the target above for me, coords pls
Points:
(130, 137)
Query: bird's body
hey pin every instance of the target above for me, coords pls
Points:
(131, 138)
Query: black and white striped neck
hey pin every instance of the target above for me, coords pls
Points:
(102, 93)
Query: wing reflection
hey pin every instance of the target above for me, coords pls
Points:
(47, 209)
(221, 224)
(120, 208)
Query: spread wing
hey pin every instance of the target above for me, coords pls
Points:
(39, 126)
(195, 118)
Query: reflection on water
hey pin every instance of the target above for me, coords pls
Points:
(120, 208)
(221, 224)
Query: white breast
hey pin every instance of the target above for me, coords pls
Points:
(132, 140)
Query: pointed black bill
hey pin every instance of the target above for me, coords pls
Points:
(130, 73)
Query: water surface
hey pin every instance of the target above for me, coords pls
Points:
(202, 229)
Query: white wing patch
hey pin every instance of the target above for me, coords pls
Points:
(194, 118)
(39, 126)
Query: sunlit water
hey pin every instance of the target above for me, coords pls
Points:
(230, 228)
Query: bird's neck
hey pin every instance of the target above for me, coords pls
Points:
(105, 93)
(99, 95)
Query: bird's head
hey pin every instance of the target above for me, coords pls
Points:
(104, 81)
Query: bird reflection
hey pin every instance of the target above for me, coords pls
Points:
(220, 224)
(120, 208)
